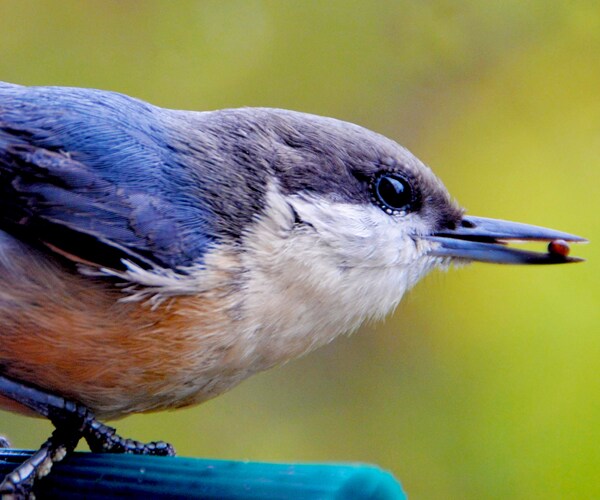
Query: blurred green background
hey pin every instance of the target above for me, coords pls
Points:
(485, 383)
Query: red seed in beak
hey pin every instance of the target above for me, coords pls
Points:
(559, 247)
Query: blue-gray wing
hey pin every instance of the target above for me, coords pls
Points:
(89, 188)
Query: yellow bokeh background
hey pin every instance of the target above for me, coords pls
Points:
(485, 382)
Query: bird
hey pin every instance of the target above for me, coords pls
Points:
(152, 259)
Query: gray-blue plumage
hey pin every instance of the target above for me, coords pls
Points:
(94, 174)
(102, 176)
(80, 170)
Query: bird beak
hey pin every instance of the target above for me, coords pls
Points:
(484, 240)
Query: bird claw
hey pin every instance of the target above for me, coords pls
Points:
(103, 439)
(18, 485)
(72, 421)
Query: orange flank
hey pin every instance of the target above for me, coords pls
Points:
(115, 357)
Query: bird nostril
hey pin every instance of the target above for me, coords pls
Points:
(466, 223)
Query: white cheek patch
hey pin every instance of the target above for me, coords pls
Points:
(381, 254)
(308, 283)
(362, 235)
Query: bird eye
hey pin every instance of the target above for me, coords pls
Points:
(393, 193)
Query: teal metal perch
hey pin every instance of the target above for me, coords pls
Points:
(103, 476)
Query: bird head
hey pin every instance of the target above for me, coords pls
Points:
(348, 221)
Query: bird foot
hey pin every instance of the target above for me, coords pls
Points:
(18, 485)
(103, 439)
(100, 437)
(73, 421)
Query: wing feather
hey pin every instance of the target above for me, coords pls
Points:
(48, 197)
